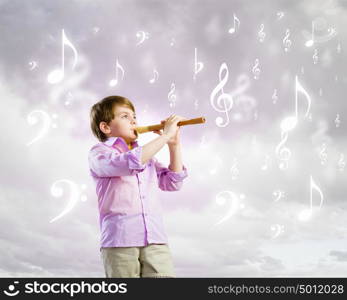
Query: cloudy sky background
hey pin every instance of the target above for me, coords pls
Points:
(228, 220)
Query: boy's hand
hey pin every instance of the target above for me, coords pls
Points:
(171, 129)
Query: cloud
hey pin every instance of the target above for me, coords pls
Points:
(258, 236)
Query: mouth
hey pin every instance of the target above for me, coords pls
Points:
(135, 132)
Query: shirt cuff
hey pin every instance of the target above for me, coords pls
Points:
(177, 176)
(134, 159)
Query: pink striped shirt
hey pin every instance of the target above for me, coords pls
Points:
(129, 207)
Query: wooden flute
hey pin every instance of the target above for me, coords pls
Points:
(143, 129)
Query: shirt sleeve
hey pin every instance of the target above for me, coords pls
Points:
(104, 162)
(169, 180)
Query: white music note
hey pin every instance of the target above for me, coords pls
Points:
(278, 195)
(323, 154)
(256, 69)
(315, 56)
(114, 82)
(310, 42)
(286, 41)
(234, 170)
(198, 65)
(337, 121)
(235, 26)
(69, 98)
(265, 165)
(274, 97)
(196, 104)
(235, 204)
(283, 153)
(33, 65)
(96, 29)
(172, 96)
(341, 164)
(142, 36)
(46, 123)
(306, 214)
(224, 101)
(217, 163)
(75, 195)
(155, 76)
(261, 33)
(277, 230)
(323, 35)
(58, 75)
(290, 123)
(280, 15)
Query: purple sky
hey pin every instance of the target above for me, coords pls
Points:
(239, 213)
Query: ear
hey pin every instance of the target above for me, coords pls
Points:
(104, 127)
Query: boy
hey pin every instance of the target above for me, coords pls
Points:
(127, 176)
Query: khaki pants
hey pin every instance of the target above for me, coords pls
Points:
(153, 260)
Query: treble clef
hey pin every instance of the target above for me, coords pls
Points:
(224, 101)
(283, 152)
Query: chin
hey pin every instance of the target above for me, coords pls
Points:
(131, 138)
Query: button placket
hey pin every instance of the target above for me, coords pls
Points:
(142, 197)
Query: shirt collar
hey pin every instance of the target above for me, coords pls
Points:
(113, 140)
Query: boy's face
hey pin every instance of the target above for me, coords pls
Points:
(122, 125)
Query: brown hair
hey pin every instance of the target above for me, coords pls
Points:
(102, 111)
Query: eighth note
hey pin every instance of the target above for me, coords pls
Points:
(57, 75)
(198, 65)
(155, 78)
(290, 123)
(306, 214)
(114, 81)
(236, 25)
